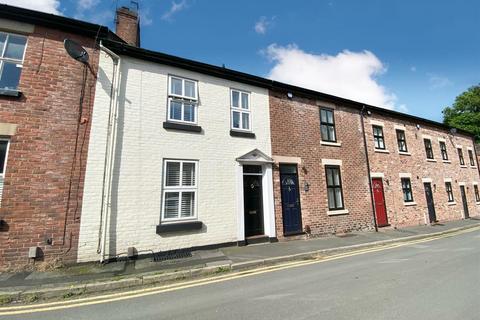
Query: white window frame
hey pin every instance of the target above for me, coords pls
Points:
(182, 99)
(180, 189)
(17, 61)
(241, 110)
(2, 174)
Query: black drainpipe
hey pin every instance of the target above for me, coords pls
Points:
(362, 112)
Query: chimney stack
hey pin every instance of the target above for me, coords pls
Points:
(128, 26)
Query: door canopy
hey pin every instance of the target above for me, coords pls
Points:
(255, 157)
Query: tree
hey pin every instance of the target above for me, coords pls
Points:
(465, 112)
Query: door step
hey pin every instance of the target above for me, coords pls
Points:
(257, 239)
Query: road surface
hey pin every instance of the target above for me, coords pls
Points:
(437, 280)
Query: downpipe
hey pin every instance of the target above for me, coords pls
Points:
(109, 154)
(362, 115)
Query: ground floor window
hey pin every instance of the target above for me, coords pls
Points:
(334, 188)
(448, 187)
(3, 163)
(179, 190)
(477, 194)
(407, 190)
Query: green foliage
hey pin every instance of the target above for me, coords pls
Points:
(5, 299)
(465, 112)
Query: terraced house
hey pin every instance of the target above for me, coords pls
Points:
(45, 105)
(140, 152)
(421, 171)
(187, 160)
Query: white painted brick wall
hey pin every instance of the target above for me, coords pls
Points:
(141, 146)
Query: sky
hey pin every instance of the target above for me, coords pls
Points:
(410, 56)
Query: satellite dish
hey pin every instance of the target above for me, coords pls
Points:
(76, 51)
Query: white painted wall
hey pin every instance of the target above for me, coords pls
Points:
(141, 146)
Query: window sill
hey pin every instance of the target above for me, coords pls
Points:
(477, 203)
(382, 151)
(431, 160)
(403, 153)
(180, 126)
(332, 144)
(407, 204)
(10, 93)
(446, 161)
(473, 167)
(451, 203)
(242, 134)
(180, 226)
(337, 212)
(463, 166)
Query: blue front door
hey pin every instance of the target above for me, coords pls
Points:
(292, 218)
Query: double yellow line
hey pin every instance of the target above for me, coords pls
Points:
(51, 306)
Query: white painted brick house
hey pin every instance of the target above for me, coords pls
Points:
(171, 175)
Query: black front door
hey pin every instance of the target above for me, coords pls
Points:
(292, 219)
(465, 204)
(430, 204)
(253, 203)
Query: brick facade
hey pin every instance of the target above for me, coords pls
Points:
(295, 125)
(392, 164)
(127, 26)
(42, 193)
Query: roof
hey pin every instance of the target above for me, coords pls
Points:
(229, 74)
(57, 22)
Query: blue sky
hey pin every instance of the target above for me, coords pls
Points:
(413, 56)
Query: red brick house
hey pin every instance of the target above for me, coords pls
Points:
(45, 108)
(320, 181)
(421, 170)
(327, 150)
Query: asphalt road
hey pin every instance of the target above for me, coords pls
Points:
(432, 280)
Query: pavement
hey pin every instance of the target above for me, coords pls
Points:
(88, 278)
(421, 279)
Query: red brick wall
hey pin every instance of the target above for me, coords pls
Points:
(42, 194)
(295, 126)
(127, 26)
(392, 164)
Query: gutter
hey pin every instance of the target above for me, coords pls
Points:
(109, 154)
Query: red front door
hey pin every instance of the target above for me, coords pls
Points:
(379, 199)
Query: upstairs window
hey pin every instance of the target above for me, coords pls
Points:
(182, 100)
(12, 51)
(378, 137)
(240, 110)
(448, 187)
(179, 190)
(460, 156)
(477, 194)
(407, 190)
(327, 125)
(401, 140)
(472, 159)
(443, 150)
(428, 148)
(334, 188)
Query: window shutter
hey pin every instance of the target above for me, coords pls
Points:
(188, 174)
(188, 200)
(173, 174)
